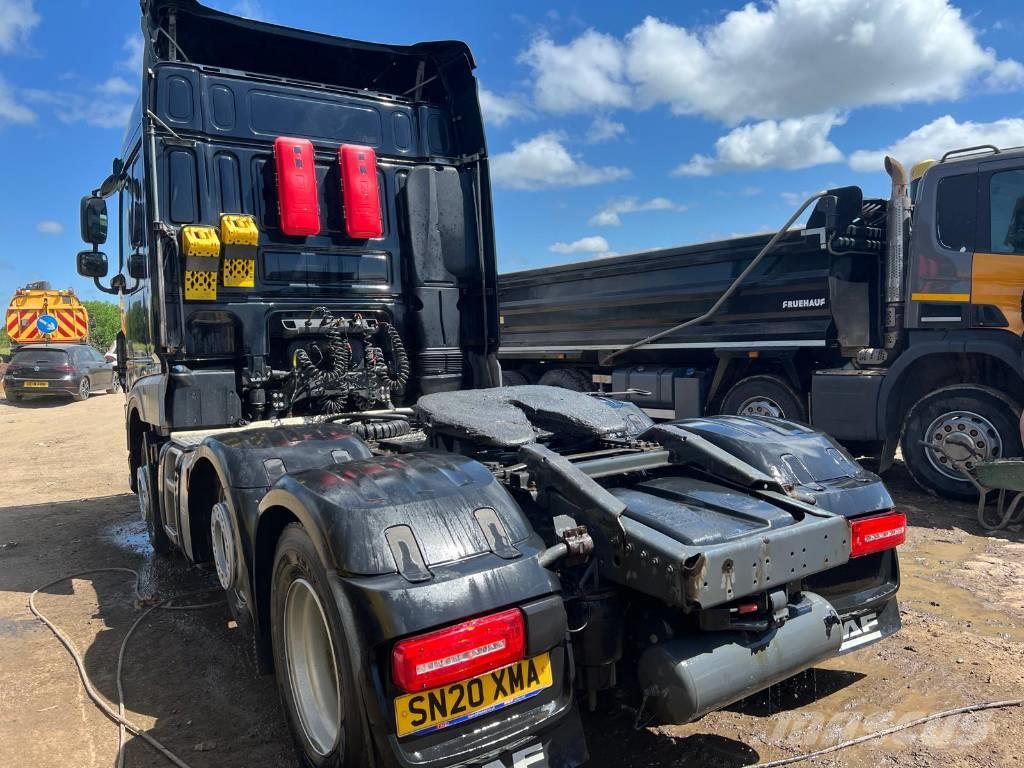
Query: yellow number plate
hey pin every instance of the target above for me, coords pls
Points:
(37, 384)
(452, 704)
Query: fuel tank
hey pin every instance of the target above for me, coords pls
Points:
(705, 671)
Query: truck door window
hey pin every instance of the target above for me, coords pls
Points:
(1006, 211)
(955, 212)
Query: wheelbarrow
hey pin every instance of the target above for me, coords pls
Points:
(1002, 476)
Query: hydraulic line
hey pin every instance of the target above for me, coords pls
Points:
(728, 291)
(118, 716)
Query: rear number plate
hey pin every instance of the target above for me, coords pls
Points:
(36, 384)
(453, 704)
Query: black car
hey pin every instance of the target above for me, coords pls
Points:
(58, 369)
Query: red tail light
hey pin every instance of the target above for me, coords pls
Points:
(64, 368)
(459, 652)
(873, 534)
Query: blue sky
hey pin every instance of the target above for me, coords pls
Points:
(613, 127)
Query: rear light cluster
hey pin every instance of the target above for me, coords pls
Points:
(878, 532)
(298, 197)
(459, 652)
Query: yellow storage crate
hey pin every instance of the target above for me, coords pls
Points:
(240, 236)
(200, 246)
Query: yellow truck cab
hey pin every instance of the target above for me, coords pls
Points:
(38, 314)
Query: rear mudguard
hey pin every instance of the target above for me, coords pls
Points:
(420, 541)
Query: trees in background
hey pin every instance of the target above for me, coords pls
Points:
(104, 323)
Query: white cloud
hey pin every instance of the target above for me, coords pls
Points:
(594, 244)
(587, 72)
(96, 108)
(773, 60)
(116, 86)
(938, 137)
(1006, 75)
(498, 110)
(17, 19)
(11, 110)
(797, 142)
(604, 129)
(50, 227)
(543, 161)
(611, 214)
(250, 9)
(132, 60)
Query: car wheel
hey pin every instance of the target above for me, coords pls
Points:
(16, 398)
(566, 378)
(966, 424)
(115, 386)
(513, 379)
(148, 495)
(764, 395)
(84, 390)
(312, 658)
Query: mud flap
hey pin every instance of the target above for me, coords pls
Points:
(867, 628)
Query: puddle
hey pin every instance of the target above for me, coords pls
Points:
(130, 537)
(977, 583)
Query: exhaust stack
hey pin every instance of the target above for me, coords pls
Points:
(895, 259)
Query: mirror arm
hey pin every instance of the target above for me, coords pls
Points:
(112, 290)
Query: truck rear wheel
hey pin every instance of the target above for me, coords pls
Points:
(967, 424)
(764, 395)
(311, 658)
(566, 378)
(149, 501)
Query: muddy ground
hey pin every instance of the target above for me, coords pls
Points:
(65, 507)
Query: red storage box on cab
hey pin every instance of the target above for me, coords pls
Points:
(296, 186)
(359, 191)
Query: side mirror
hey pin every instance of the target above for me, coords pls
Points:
(92, 264)
(94, 221)
(137, 266)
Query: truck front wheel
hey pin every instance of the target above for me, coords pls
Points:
(764, 395)
(965, 424)
(311, 658)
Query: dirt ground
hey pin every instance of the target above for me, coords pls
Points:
(65, 507)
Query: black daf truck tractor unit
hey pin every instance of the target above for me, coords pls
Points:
(436, 568)
(877, 319)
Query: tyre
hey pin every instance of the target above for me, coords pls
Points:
(115, 386)
(513, 379)
(84, 390)
(148, 495)
(764, 395)
(566, 378)
(16, 399)
(971, 424)
(312, 659)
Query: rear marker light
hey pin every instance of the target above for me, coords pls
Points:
(873, 534)
(459, 652)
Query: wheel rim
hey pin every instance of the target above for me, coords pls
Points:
(222, 538)
(312, 670)
(761, 406)
(83, 388)
(964, 438)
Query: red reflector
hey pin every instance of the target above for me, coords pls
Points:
(359, 191)
(744, 609)
(460, 652)
(873, 534)
(296, 186)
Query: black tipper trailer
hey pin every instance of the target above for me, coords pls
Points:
(802, 309)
